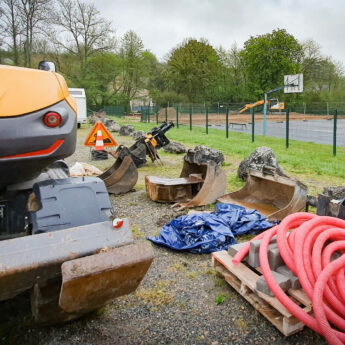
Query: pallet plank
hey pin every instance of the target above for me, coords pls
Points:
(243, 280)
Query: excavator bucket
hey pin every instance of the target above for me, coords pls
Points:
(200, 183)
(72, 271)
(121, 177)
(272, 195)
(89, 283)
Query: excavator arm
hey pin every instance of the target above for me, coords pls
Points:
(251, 105)
(273, 104)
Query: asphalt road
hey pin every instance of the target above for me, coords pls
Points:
(317, 131)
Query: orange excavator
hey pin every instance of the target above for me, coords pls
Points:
(273, 104)
(61, 245)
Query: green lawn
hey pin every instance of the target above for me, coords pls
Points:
(312, 163)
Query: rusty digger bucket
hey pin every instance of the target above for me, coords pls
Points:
(121, 177)
(200, 183)
(272, 195)
(72, 271)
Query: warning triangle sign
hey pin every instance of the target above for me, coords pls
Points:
(108, 140)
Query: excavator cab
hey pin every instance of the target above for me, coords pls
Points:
(61, 242)
(274, 104)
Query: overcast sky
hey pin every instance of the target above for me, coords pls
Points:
(162, 24)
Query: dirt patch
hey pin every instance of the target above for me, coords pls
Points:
(171, 114)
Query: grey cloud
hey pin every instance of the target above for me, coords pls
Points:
(163, 24)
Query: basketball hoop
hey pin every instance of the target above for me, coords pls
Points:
(293, 83)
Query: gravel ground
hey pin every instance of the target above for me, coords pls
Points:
(175, 303)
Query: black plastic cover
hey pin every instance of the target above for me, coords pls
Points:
(69, 203)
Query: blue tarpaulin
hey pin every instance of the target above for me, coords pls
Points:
(211, 232)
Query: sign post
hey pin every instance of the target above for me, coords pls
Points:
(292, 84)
(108, 140)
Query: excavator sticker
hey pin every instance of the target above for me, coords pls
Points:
(108, 140)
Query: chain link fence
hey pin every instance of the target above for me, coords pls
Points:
(314, 122)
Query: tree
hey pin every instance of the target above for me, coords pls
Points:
(193, 69)
(10, 25)
(131, 53)
(232, 79)
(163, 99)
(102, 79)
(268, 57)
(320, 73)
(81, 31)
(32, 13)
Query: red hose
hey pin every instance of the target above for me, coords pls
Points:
(307, 251)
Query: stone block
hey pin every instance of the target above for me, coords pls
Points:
(283, 281)
(232, 250)
(274, 258)
(284, 270)
(253, 259)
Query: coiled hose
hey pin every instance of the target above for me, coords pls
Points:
(308, 251)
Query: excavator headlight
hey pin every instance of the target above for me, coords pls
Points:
(52, 119)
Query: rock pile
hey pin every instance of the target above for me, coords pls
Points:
(175, 147)
(126, 130)
(260, 157)
(110, 124)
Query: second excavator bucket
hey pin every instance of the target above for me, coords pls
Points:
(121, 177)
(272, 195)
(90, 282)
(200, 183)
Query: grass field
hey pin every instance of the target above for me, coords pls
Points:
(312, 163)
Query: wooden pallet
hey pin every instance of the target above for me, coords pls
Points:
(243, 280)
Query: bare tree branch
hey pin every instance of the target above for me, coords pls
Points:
(84, 31)
(32, 14)
(11, 25)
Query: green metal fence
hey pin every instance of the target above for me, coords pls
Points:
(314, 108)
(115, 110)
(226, 117)
(223, 118)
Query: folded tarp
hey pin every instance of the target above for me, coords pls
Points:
(211, 232)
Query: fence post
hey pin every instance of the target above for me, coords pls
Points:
(190, 118)
(227, 122)
(335, 132)
(166, 114)
(177, 116)
(206, 110)
(253, 124)
(287, 128)
(141, 114)
(157, 115)
(148, 114)
(218, 122)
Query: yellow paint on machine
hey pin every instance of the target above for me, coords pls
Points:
(33, 90)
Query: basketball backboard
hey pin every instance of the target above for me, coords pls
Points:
(293, 83)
